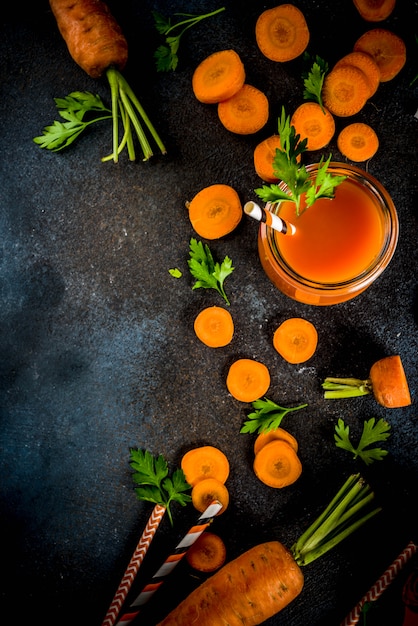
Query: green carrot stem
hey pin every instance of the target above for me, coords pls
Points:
(192, 19)
(346, 387)
(114, 91)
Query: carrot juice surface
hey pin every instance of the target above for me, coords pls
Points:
(335, 240)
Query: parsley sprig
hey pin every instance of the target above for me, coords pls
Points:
(154, 483)
(166, 57)
(313, 80)
(209, 274)
(373, 432)
(297, 178)
(267, 416)
(74, 109)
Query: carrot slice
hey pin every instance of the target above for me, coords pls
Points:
(246, 112)
(206, 491)
(248, 380)
(389, 383)
(282, 33)
(296, 340)
(207, 554)
(205, 462)
(272, 435)
(387, 49)
(215, 211)
(218, 77)
(367, 64)
(345, 90)
(214, 327)
(374, 10)
(264, 154)
(314, 123)
(277, 464)
(358, 142)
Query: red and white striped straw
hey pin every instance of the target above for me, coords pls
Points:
(134, 565)
(381, 584)
(170, 563)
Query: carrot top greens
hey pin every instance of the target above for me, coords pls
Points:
(154, 483)
(373, 432)
(209, 274)
(296, 177)
(267, 415)
(313, 80)
(166, 55)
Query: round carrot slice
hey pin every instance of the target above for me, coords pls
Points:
(314, 123)
(246, 112)
(248, 380)
(387, 49)
(215, 211)
(206, 491)
(296, 340)
(282, 33)
(277, 464)
(205, 462)
(214, 327)
(264, 154)
(207, 554)
(367, 64)
(218, 77)
(374, 10)
(345, 90)
(272, 435)
(358, 142)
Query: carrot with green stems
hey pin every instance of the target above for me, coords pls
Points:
(264, 580)
(387, 382)
(96, 43)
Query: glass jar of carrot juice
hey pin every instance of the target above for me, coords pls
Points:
(340, 246)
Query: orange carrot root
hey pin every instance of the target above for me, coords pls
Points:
(246, 112)
(248, 380)
(215, 211)
(389, 383)
(296, 340)
(345, 90)
(207, 554)
(386, 48)
(218, 77)
(206, 491)
(358, 142)
(282, 33)
(374, 10)
(94, 39)
(314, 123)
(277, 464)
(270, 577)
(205, 462)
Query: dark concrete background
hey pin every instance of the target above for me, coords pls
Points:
(98, 353)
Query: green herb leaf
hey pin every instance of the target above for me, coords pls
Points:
(314, 79)
(175, 272)
(208, 273)
(267, 416)
(296, 177)
(373, 432)
(154, 483)
(166, 55)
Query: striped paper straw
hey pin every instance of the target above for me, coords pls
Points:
(134, 565)
(381, 584)
(170, 563)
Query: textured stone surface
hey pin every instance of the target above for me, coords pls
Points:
(98, 353)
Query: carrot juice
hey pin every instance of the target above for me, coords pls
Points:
(340, 245)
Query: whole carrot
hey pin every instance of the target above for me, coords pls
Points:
(264, 580)
(93, 36)
(96, 43)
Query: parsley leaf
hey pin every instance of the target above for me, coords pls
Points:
(267, 416)
(208, 273)
(154, 483)
(165, 56)
(373, 432)
(296, 177)
(314, 79)
(73, 108)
